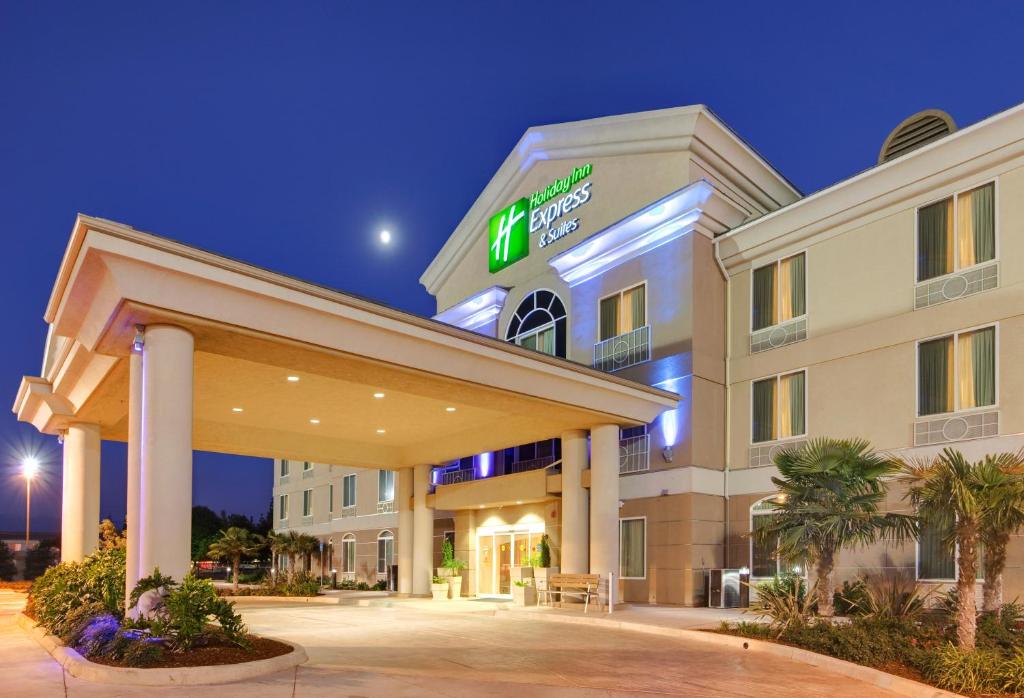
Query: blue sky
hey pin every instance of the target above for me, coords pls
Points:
(286, 134)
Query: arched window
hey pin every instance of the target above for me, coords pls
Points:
(539, 323)
(385, 551)
(348, 554)
(764, 562)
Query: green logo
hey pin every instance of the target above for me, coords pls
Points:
(509, 235)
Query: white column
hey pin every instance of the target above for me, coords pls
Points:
(132, 528)
(422, 533)
(405, 530)
(604, 501)
(165, 502)
(80, 496)
(575, 503)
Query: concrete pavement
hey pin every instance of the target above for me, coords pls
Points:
(413, 648)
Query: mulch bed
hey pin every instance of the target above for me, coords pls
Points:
(216, 653)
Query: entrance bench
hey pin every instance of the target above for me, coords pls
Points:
(578, 586)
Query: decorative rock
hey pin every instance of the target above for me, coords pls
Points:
(150, 605)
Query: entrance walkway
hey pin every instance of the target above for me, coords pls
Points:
(407, 650)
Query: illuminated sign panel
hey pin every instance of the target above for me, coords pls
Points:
(546, 211)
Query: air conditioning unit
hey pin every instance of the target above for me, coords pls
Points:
(727, 588)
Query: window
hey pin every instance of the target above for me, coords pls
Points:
(957, 372)
(937, 561)
(385, 551)
(956, 233)
(385, 486)
(539, 323)
(623, 312)
(284, 468)
(307, 502)
(778, 409)
(779, 292)
(306, 465)
(764, 562)
(633, 548)
(348, 553)
(330, 498)
(283, 507)
(348, 491)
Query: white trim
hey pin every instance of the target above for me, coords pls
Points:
(776, 377)
(955, 334)
(955, 195)
(633, 518)
(477, 310)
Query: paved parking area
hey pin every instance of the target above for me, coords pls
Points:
(406, 650)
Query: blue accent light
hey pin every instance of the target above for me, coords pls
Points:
(484, 462)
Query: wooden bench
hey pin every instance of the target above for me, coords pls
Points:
(579, 586)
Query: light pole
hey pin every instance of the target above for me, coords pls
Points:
(29, 466)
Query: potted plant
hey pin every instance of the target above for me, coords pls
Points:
(439, 589)
(524, 593)
(452, 567)
(543, 569)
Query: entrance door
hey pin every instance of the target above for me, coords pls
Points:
(499, 549)
(504, 543)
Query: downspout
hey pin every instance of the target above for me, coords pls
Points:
(728, 397)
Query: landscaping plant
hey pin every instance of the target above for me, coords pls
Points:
(233, 544)
(1001, 479)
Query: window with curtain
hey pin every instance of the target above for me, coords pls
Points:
(348, 553)
(284, 468)
(957, 372)
(623, 312)
(956, 233)
(307, 502)
(935, 559)
(778, 409)
(779, 292)
(386, 486)
(348, 492)
(763, 559)
(632, 548)
(282, 506)
(385, 551)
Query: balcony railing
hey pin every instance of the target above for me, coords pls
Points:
(386, 507)
(348, 511)
(453, 477)
(307, 473)
(625, 350)
(523, 466)
(634, 454)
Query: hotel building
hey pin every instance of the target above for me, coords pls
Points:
(634, 317)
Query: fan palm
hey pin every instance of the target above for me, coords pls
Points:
(233, 544)
(947, 493)
(830, 491)
(1001, 478)
(295, 546)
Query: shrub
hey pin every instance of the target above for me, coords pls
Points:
(190, 605)
(1012, 673)
(97, 636)
(849, 598)
(889, 594)
(99, 579)
(545, 551)
(979, 671)
(153, 581)
(72, 625)
(141, 652)
(783, 601)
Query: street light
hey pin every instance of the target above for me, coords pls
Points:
(29, 467)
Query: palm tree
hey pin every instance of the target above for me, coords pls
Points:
(305, 546)
(1001, 478)
(830, 491)
(279, 545)
(947, 493)
(295, 545)
(234, 544)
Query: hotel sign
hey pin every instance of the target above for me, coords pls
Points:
(546, 211)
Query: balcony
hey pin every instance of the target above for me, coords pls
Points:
(348, 511)
(386, 507)
(634, 454)
(623, 351)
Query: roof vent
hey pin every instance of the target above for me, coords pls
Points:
(920, 129)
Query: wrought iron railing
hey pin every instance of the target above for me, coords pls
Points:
(634, 454)
(625, 350)
(386, 507)
(453, 477)
(523, 466)
(348, 511)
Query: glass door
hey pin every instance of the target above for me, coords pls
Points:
(504, 543)
(501, 549)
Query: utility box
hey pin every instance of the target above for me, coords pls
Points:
(727, 588)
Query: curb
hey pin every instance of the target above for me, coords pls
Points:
(311, 600)
(874, 677)
(81, 668)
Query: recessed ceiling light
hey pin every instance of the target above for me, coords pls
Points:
(236, 409)
(293, 379)
(314, 421)
(449, 409)
(519, 501)
(380, 431)
(378, 395)
(481, 506)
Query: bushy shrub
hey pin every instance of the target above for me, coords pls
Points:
(1012, 673)
(190, 606)
(783, 601)
(892, 594)
(97, 637)
(850, 597)
(72, 625)
(979, 671)
(99, 579)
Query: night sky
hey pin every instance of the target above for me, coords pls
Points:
(287, 135)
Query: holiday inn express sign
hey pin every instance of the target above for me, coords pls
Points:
(510, 228)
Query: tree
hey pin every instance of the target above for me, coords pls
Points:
(7, 567)
(947, 493)
(295, 546)
(110, 537)
(1001, 479)
(206, 525)
(830, 493)
(233, 544)
(39, 558)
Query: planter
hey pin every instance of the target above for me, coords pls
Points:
(521, 573)
(541, 575)
(455, 587)
(439, 591)
(444, 572)
(524, 596)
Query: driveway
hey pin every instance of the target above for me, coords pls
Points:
(407, 650)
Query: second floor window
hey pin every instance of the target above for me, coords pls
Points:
(348, 493)
(284, 468)
(330, 498)
(306, 465)
(779, 407)
(957, 372)
(623, 312)
(956, 233)
(307, 502)
(385, 485)
(282, 506)
(539, 323)
(779, 292)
